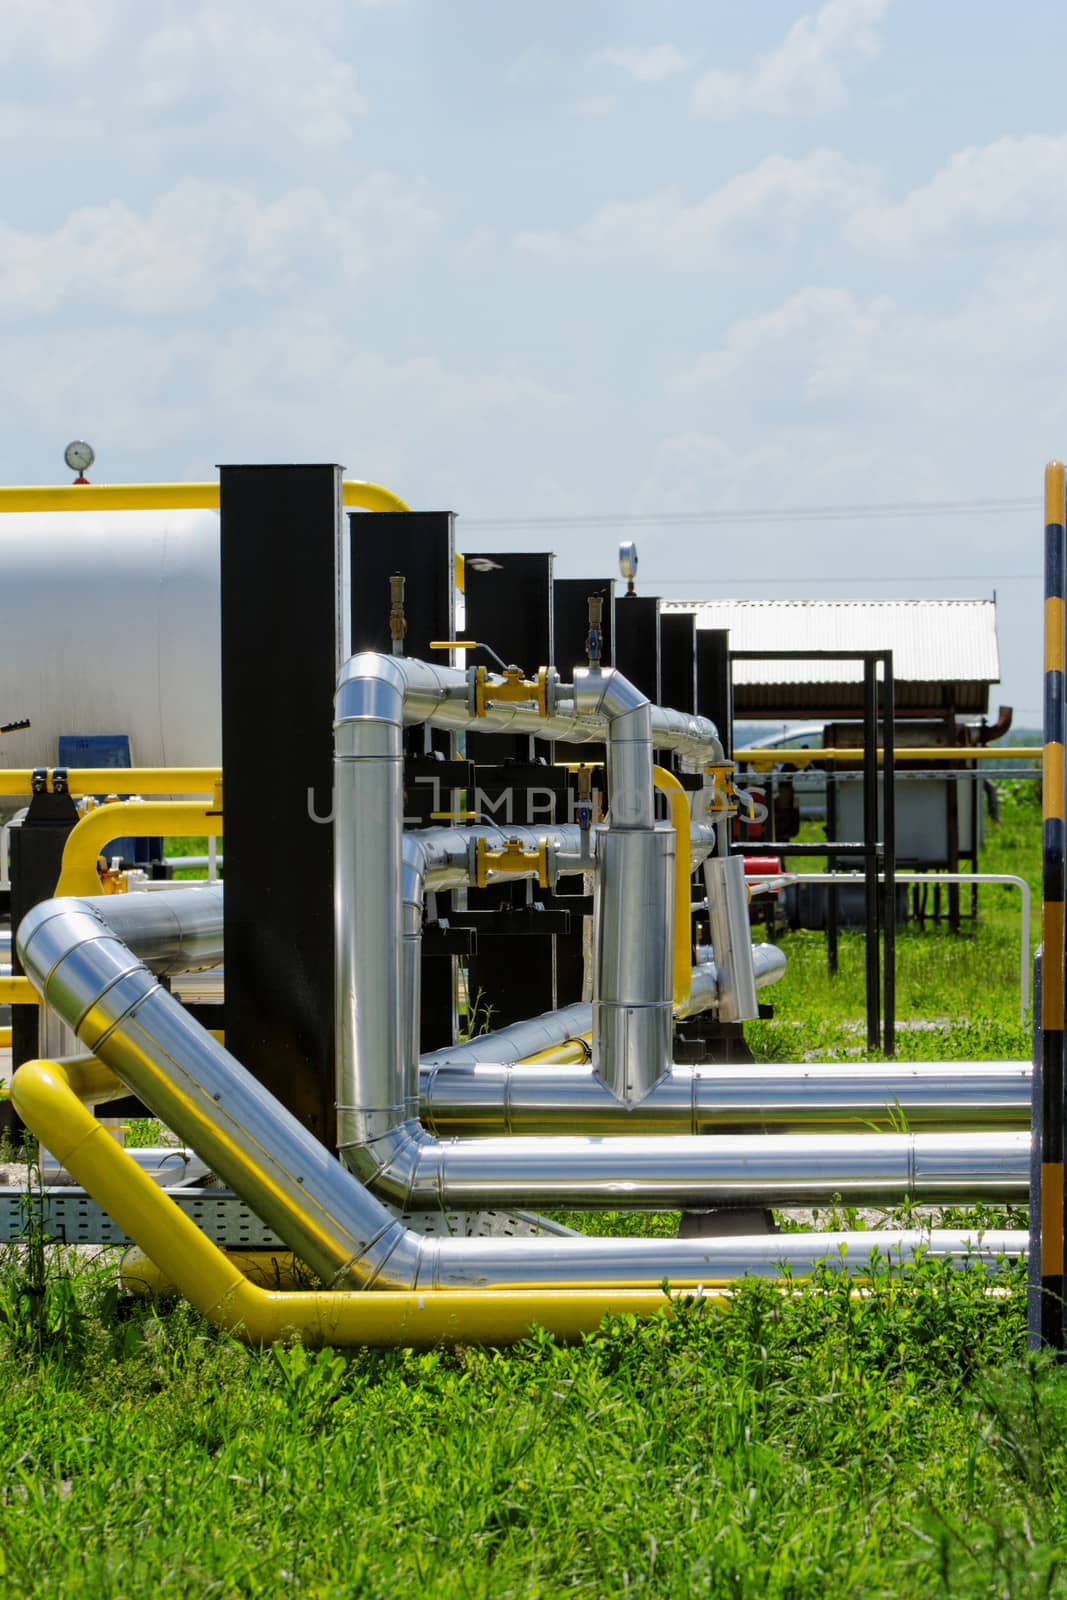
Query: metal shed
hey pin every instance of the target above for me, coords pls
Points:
(945, 654)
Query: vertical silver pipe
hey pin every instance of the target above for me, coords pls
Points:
(368, 846)
(632, 990)
(632, 997)
(731, 937)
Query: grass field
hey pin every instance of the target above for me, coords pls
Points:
(819, 1443)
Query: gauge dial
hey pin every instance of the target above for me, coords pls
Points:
(78, 455)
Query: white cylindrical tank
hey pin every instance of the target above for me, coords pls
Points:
(109, 623)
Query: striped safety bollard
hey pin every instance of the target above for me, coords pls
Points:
(1047, 1207)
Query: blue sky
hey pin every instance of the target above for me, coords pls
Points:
(571, 260)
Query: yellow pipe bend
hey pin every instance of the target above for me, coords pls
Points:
(166, 497)
(46, 1097)
(678, 801)
(139, 818)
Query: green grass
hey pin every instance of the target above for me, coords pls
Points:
(821, 1443)
(963, 988)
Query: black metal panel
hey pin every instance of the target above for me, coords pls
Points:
(570, 619)
(280, 550)
(637, 643)
(420, 545)
(715, 682)
(509, 606)
(678, 660)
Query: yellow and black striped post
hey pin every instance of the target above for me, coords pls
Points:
(1047, 1206)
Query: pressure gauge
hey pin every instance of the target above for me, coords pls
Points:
(628, 561)
(79, 456)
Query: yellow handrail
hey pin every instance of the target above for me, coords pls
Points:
(46, 1097)
(932, 753)
(166, 497)
(669, 785)
(20, 991)
(140, 819)
(108, 780)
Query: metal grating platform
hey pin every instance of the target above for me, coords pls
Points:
(73, 1217)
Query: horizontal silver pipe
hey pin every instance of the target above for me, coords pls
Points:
(446, 852)
(414, 1171)
(322, 1212)
(553, 1028)
(797, 1098)
(175, 931)
(620, 1262)
(443, 696)
(171, 1166)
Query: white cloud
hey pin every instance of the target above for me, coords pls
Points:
(293, 387)
(202, 239)
(872, 399)
(652, 64)
(804, 74)
(277, 68)
(768, 201)
(243, 67)
(993, 187)
(62, 33)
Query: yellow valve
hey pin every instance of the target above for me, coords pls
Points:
(453, 816)
(453, 644)
(510, 859)
(514, 690)
(724, 796)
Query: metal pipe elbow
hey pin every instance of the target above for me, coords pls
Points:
(388, 1165)
(370, 687)
(605, 692)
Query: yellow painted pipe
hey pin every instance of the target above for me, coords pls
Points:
(166, 497)
(105, 780)
(569, 1053)
(270, 1269)
(138, 818)
(669, 785)
(5, 1038)
(20, 991)
(45, 1094)
(764, 759)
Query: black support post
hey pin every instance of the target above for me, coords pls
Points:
(36, 853)
(870, 850)
(282, 599)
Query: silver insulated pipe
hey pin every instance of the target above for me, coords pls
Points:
(325, 1215)
(384, 1144)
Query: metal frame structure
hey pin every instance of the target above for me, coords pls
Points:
(879, 856)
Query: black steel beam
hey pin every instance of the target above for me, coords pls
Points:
(280, 555)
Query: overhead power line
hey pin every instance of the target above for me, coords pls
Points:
(823, 578)
(865, 511)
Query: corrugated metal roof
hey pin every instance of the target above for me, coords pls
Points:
(933, 641)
